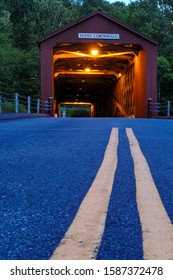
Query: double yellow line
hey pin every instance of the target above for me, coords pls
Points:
(82, 239)
(156, 226)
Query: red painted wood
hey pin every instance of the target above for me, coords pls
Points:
(145, 80)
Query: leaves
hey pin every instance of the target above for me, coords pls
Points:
(165, 78)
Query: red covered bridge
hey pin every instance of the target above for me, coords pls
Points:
(101, 63)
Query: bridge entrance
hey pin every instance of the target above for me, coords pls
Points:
(101, 63)
(99, 74)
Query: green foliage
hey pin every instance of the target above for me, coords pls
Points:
(19, 71)
(165, 78)
(52, 15)
(9, 107)
(164, 68)
(23, 23)
(119, 11)
(76, 111)
(21, 17)
(89, 6)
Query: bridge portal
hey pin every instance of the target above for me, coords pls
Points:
(99, 63)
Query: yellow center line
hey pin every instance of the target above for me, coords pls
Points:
(156, 226)
(83, 237)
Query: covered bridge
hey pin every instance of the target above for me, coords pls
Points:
(100, 63)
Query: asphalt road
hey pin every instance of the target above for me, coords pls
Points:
(48, 165)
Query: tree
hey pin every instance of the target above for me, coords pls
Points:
(52, 15)
(165, 78)
(89, 6)
(19, 71)
(119, 11)
(21, 17)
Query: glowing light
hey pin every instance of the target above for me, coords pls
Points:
(56, 74)
(72, 103)
(94, 52)
(87, 69)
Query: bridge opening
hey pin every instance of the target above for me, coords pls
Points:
(76, 109)
(101, 75)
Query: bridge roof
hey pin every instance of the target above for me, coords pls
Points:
(107, 19)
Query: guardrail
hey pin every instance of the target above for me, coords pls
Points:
(164, 109)
(16, 103)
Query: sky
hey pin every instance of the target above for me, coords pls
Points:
(125, 1)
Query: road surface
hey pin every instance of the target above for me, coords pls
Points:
(65, 180)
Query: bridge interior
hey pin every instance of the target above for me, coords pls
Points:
(101, 75)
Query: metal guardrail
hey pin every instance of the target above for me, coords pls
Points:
(166, 108)
(161, 108)
(16, 103)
